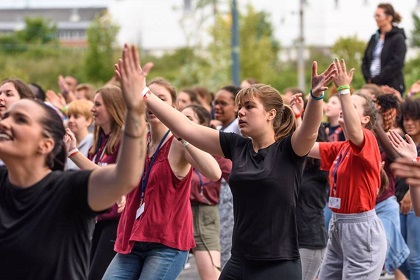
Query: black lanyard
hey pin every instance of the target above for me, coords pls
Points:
(100, 149)
(152, 161)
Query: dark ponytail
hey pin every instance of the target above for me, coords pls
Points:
(53, 125)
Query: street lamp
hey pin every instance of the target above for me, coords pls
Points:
(235, 45)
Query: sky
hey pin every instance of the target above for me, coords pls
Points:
(156, 24)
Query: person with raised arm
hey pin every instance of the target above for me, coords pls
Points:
(47, 215)
(155, 232)
(354, 167)
(266, 171)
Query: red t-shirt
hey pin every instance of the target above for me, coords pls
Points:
(357, 174)
(167, 216)
(205, 191)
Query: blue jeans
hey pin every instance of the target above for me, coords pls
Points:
(327, 216)
(397, 252)
(410, 229)
(147, 261)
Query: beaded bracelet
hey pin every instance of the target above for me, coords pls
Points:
(316, 97)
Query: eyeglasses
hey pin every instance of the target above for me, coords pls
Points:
(220, 103)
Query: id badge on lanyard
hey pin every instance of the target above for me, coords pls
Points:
(334, 201)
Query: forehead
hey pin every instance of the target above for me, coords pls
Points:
(160, 91)
(358, 101)
(8, 86)
(28, 108)
(183, 94)
(223, 94)
(98, 97)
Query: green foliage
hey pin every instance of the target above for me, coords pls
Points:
(351, 49)
(415, 33)
(99, 60)
(258, 48)
(38, 31)
(37, 38)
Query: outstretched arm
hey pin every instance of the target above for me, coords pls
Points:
(305, 135)
(352, 122)
(108, 184)
(202, 137)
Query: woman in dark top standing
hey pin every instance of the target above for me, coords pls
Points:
(383, 61)
(47, 215)
(266, 171)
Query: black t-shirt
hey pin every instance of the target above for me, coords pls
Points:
(265, 188)
(313, 195)
(45, 229)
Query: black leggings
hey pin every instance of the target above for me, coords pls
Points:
(102, 250)
(238, 268)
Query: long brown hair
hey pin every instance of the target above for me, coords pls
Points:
(115, 106)
(284, 122)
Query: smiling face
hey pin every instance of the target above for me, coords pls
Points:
(21, 131)
(101, 116)
(8, 96)
(224, 107)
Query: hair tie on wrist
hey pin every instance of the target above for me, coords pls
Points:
(316, 97)
(72, 152)
(185, 143)
(300, 114)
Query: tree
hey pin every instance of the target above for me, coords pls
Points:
(351, 49)
(99, 60)
(415, 33)
(38, 31)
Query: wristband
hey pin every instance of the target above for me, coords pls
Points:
(185, 143)
(72, 152)
(316, 97)
(300, 114)
(343, 91)
(343, 87)
(146, 92)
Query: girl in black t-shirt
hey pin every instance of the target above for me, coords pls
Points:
(266, 171)
(46, 215)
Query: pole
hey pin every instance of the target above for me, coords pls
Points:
(300, 58)
(235, 45)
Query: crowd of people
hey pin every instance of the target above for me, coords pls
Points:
(125, 181)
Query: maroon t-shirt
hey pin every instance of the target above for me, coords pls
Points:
(205, 191)
(390, 191)
(101, 158)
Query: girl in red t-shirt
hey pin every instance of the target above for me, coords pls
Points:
(357, 243)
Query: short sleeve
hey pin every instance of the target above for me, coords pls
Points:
(229, 141)
(328, 152)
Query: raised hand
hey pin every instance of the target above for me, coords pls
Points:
(408, 170)
(297, 104)
(320, 82)
(342, 78)
(405, 149)
(132, 78)
(70, 140)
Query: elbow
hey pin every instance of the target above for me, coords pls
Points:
(214, 175)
